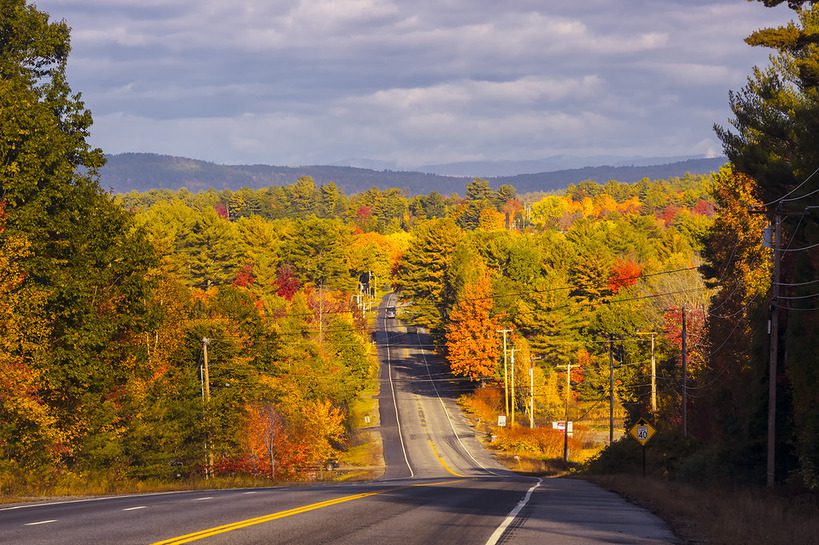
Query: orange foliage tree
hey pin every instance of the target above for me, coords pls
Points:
(471, 336)
(624, 274)
(283, 440)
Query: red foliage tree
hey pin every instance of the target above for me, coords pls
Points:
(245, 276)
(696, 341)
(624, 273)
(222, 210)
(286, 282)
(705, 208)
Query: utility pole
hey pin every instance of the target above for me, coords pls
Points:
(611, 390)
(206, 394)
(321, 314)
(685, 374)
(653, 335)
(566, 421)
(653, 378)
(774, 331)
(505, 373)
(513, 386)
(531, 397)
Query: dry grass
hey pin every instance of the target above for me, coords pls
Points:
(74, 485)
(538, 450)
(364, 458)
(722, 515)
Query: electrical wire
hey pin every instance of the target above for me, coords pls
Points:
(797, 284)
(798, 297)
(797, 309)
(791, 192)
(800, 249)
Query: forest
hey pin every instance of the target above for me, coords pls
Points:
(171, 334)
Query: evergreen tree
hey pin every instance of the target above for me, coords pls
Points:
(420, 277)
(776, 122)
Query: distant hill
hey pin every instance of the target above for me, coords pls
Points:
(525, 183)
(143, 171)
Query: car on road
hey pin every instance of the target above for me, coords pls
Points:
(390, 313)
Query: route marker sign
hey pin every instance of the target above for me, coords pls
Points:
(642, 431)
(502, 421)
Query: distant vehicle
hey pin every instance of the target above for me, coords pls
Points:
(390, 312)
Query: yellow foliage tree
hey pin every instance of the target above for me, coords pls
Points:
(491, 220)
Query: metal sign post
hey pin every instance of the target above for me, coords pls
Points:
(643, 431)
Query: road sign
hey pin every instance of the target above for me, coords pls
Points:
(501, 421)
(642, 431)
(561, 426)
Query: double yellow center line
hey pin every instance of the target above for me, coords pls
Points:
(202, 534)
(187, 538)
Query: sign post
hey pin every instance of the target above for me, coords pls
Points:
(643, 432)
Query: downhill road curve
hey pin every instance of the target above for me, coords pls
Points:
(439, 486)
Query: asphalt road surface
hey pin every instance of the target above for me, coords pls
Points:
(439, 486)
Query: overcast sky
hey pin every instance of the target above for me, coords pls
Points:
(409, 82)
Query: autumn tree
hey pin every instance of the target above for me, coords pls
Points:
(471, 333)
(775, 126)
(28, 427)
(420, 276)
(83, 250)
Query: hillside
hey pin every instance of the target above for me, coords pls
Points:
(143, 171)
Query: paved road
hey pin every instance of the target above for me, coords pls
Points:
(439, 486)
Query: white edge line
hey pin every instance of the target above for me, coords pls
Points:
(500, 530)
(203, 498)
(392, 389)
(446, 412)
(134, 508)
(106, 498)
(40, 522)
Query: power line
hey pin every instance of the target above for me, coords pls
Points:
(792, 191)
(797, 284)
(798, 297)
(800, 249)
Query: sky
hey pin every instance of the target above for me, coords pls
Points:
(405, 83)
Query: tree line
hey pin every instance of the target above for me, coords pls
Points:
(109, 304)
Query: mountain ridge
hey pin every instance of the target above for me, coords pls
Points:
(127, 172)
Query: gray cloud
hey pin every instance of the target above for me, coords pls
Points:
(411, 82)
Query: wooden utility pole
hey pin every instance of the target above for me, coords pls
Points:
(206, 395)
(611, 389)
(653, 378)
(321, 314)
(531, 397)
(684, 375)
(774, 355)
(505, 373)
(513, 386)
(566, 421)
(653, 335)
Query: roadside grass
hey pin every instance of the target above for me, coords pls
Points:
(688, 495)
(521, 449)
(364, 458)
(724, 514)
(704, 498)
(57, 485)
